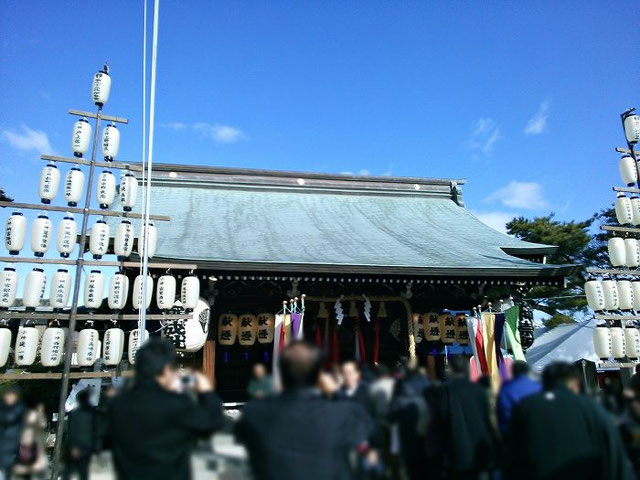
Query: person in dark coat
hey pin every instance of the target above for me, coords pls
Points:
(12, 412)
(513, 391)
(81, 438)
(153, 427)
(462, 425)
(300, 434)
(560, 434)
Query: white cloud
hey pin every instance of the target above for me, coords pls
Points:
(27, 139)
(485, 133)
(538, 123)
(516, 194)
(214, 131)
(496, 220)
(219, 133)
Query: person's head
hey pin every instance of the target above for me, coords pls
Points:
(350, 374)
(561, 374)
(156, 360)
(520, 368)
(259, 371)
(11, 395)
(84, 397)
(459, 366)
(300, 364)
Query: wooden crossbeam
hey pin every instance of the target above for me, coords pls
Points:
(108, 118)
(134, 166)
(104, 213)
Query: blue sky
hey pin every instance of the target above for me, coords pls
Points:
(522, 100)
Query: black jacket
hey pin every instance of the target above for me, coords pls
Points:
(558, 435)
(301, 435)
(82, 430)
(153, 431)
(11, 422)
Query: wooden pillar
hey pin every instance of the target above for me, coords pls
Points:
(209, 360)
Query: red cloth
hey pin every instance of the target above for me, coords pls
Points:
(363, 350)
(480, 347)
(318, 338)
(283, 337)
(376, 343)
(335, 347)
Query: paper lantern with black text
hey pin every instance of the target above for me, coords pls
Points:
(617, 251)
(81, 137)
(610, 292)
(635, 285)
(628, 170)
(624, 212)
(5, 344)
(602, 342)
(631, 252)
(67, 235)
(49, 183)
(100, 87)
(123, 239)
(139, 300)
(196, 328)
(631, 124)
(136, 339)
(52, 347)
(227, 329)
(418, 327)
(595, 294)
(632, 342)
(34, 287)
(99, 239)
(88, 346)
(462, 332)
(73, 186)
(110, 142)
(113, 345)
(625, 294)
(15, 233)
(248, 326)
(447, 327)
(41, 231)
(431, 325)
(166, 292)
(128, 191)
(60, 289)
(635, 210)
(8, 287)
(93, 289)
(26, 347)
(266, 324)
(118, 291)
(618, 348)
(190, 292)
(152, 240)
(106, 191)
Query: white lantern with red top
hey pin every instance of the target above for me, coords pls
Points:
(49, 183)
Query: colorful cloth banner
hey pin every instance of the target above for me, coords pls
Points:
(512, 316)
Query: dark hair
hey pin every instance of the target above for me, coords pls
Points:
(459, 365)
(153, 357)
(558, 374)
(520, 367)
(83, 397)
(300, 364)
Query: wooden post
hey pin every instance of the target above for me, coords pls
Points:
(209, 360)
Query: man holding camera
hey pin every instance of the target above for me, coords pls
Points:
(154, 424)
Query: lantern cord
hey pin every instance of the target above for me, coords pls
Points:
(152, 105)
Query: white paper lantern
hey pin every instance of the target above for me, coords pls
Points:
(128, 191)
(67, 235)
(624, 212)
(197, 327)
(110, 142)
(632, 342)
(41, 232)
(26, 347)
(152, 240)
(60, 289)
(118, 291)
(52, 347)
(113, 346)
(88, 346)
(81, 137)
(8, 287)
(93, 289)
(106, 191)
(101, 87)
(99, 239)
(602, 342)
(610, 292)
(15, 233)
(123, 239)
(166, 292)
(135, 342)
(49, 183)
(628, 170)
(631, 252)
(137, 298)
(618, 348)
(34, 286)
(73, 186)
(617, 251)
(635, 284)
(632, 128)
(635, 210)
(190, 292)
(5, 344)
(595, 295)
(625, 294)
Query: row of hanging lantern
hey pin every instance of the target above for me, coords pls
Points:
(36, 281)
(66, 237)
(627, 209)
(617, 342)
(611, 293)
(444, 327)
(28, 344)
(246, 329)
(624, 252)
(74, 185)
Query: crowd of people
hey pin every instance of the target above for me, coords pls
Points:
(349, 423)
